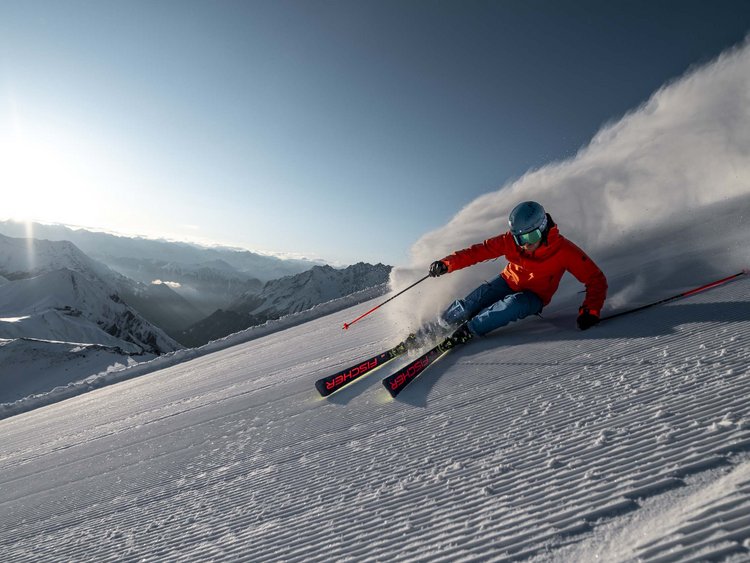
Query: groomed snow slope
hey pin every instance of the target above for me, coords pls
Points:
(627, 441)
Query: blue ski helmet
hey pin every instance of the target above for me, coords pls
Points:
(528, 223)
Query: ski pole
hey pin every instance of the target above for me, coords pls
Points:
(683, 294)
(347, 325)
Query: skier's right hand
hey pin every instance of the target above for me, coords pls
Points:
(438, 268)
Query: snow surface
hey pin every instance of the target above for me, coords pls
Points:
(33, 369)
(538, 442)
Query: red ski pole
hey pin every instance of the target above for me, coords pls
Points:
(347, 325)
(683, 294)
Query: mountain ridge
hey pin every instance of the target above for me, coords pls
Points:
(286, 296)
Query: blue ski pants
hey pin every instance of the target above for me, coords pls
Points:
(492, 305)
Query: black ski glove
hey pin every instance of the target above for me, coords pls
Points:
(438, 268)
(587, 319)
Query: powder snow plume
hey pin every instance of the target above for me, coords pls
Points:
(659, 198)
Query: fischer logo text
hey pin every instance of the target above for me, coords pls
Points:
(352, 374)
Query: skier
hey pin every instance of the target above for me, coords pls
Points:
(538, 256)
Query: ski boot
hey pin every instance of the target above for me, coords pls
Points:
(460, 336)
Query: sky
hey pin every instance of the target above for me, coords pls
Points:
(335, 130)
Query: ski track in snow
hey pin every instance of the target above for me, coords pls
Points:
(535, 443)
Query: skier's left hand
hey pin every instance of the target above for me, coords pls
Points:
(587, 319)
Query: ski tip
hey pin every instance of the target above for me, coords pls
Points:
(346, 326)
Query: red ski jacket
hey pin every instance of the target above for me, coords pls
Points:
(540, 271)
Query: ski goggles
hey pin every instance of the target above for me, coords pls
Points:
(532, 237)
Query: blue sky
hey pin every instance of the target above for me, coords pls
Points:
(339, 130)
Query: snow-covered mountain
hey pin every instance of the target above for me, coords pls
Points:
(292, 294)
(65, 305)
(111, 249)
(22, 258)
(206, 278)
(63, 301)
(286, 296)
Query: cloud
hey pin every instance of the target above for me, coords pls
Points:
(666, 164)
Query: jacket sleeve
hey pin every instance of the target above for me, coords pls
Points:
(588, 273)
(487, 250)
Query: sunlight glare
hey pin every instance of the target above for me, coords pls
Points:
(44, 178)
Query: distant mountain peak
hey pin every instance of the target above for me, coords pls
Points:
(64, 295)
(285, 296)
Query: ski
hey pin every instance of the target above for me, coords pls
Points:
(396, 382)
(332, 383)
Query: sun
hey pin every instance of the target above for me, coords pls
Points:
(45, 177)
